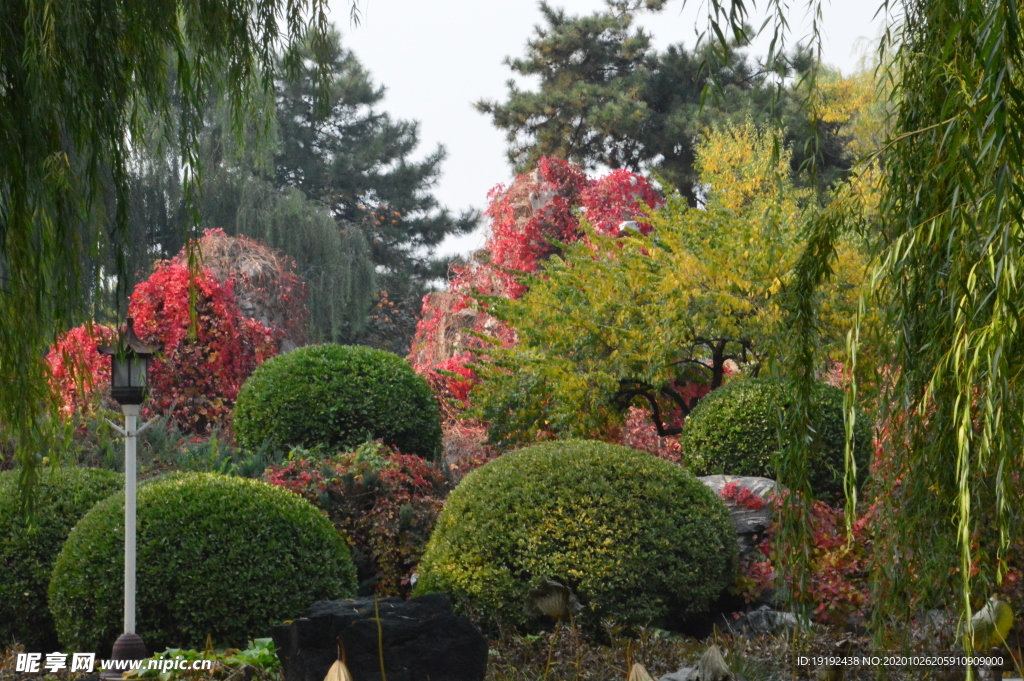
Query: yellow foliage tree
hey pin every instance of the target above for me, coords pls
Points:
(652, 318)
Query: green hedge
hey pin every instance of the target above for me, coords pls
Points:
(733, 430)
(27, 551)
(337, 397)
(637, 538)
(219, 556)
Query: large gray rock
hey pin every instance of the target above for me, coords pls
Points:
(422, 641)
(750, 524)
(761, 622)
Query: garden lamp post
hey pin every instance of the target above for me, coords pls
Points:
(129, 362)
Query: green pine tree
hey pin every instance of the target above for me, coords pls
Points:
(331, 185)
(346, 154)
(608, 98)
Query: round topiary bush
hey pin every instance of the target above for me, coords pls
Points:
(219, 556)
(27, 550)
(637, 538)
(337, 397)
(733, 430)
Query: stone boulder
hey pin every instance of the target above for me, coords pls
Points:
(750, 524)
(422, 640)
(762, 622)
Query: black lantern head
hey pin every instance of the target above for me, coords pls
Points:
(129, 361)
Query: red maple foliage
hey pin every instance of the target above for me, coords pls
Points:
(838, 585)
(529, 220)
(742, 496)
(385, 504)
(197, 373)
(638, 434)
(77, 369)
(619, 201)
(196, 378)
(265, 285)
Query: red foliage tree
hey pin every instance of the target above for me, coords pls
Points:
(619, 201)
(265, 285)
(529, 219)
(196, 378)
(77, 369)
(638, 434)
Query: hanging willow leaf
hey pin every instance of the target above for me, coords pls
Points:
(948, 245)
(77, 82)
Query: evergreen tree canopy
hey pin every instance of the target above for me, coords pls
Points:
(606, 97)
(356, 161)
(332, 257)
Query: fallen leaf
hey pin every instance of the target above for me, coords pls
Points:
(338, 672)
(638, 673)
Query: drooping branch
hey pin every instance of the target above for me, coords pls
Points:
(625, 396)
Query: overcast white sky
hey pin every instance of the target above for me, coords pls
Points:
(437, 57)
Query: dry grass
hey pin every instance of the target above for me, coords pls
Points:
(574, 656)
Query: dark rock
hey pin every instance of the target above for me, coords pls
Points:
(750, 524)
(422, 640)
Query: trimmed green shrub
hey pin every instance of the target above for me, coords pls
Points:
(733, 430)
(338, 397)
(637, 538)
(27, 550)
(220, 556)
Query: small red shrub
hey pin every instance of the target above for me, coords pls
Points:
(384, 502)
(742, 496)
(838, 585)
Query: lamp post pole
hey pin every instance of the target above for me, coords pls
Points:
(131, 416)
(128, 365)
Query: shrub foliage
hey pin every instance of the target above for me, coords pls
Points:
(28, 549)
(637, 538)
(337, 397)
(384, 502)
(734, 430)
(218, 556)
